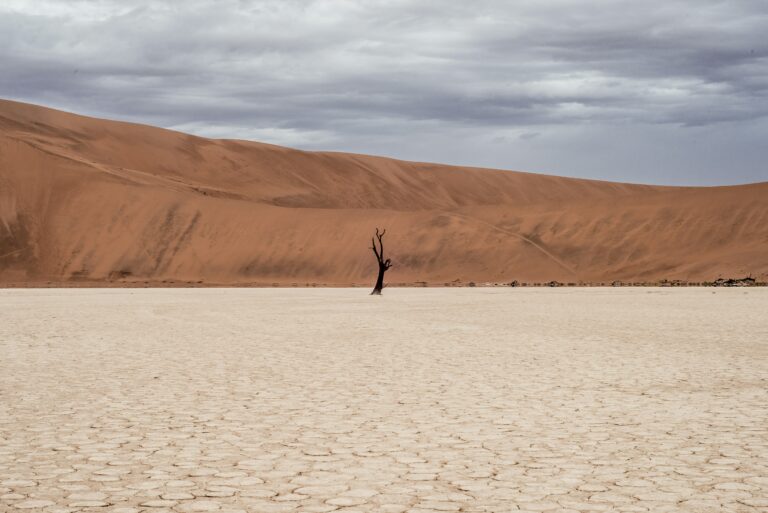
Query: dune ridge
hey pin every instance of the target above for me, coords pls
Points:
(85, 200)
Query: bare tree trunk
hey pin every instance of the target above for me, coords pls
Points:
(384, 265)
(379, 282)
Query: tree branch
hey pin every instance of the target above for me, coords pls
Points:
(381, 242)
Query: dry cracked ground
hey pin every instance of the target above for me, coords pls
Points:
(423, 400)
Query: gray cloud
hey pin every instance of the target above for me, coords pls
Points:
(659, 91)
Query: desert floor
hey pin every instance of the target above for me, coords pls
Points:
(314, 400)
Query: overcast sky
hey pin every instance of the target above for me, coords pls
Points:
(654, 91)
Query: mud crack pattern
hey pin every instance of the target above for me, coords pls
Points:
(423, 400)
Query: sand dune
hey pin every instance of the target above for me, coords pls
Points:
(96, 201)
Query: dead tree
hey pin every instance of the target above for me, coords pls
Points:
(384, 265)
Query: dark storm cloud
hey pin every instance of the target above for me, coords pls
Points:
(544, 85)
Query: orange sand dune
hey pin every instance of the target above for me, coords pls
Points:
(89, 200)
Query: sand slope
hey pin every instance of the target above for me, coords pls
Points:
(85, 199)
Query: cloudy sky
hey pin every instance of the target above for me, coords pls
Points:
(654, 91)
